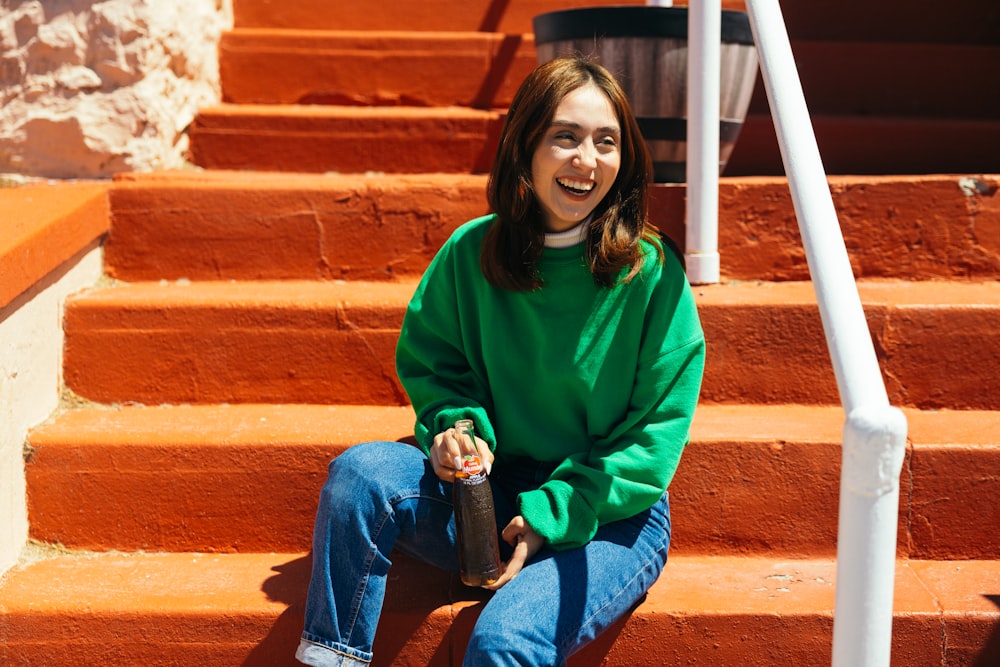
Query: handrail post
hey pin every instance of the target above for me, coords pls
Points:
(874, 439)
(704, 76)
(874, 444)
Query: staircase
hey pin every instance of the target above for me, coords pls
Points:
(246, 332)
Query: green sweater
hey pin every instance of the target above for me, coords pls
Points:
(603, 382)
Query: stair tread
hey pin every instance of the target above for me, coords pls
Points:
(307, 294)
(236, 602)
(334, 342)
(474, 69)
(217, 116)
(246, 477)
(889, 20)
(313, 138)
(163, 583)
(207, 225)
(278, 425)
(283, 66)
(429, 15)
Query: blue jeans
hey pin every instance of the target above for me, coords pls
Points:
(384, 495)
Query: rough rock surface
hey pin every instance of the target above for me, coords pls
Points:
(91, 88)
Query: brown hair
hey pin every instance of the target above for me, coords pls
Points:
(514, 242)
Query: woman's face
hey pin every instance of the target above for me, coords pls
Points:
(577, 159)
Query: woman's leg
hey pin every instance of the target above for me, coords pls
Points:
(375, 495)
(564, 599)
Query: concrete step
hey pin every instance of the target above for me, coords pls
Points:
(208, 225)
(482, 70)
(352, 139)
(334, 342)
(755, 480)
(246, 609)
(876, 145)
(965, 22)
(510, 16)
(472, 69)
(316, 138)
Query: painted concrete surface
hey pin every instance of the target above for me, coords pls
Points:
(31, 341)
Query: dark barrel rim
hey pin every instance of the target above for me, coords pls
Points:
(632, 21)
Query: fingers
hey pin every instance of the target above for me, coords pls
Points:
(513, 567)
(485, 455)
(526, 543)
(448, 449)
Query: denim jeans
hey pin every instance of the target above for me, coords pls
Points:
(384, 495)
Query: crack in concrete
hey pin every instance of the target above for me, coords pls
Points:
(940, 613)
(908, 489)
(325, 269)
(390, 380)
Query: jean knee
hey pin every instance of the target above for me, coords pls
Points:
(509, 642)
(371, 473)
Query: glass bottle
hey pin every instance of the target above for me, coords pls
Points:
(475, 521)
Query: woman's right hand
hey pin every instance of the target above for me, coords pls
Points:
(448, 449)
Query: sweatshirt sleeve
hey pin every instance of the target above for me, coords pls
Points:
(627, 471)
(431, 357)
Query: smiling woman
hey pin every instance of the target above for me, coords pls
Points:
(571, 122)
(561, 329)
(577, 160)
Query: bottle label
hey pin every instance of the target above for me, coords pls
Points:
(471, 465)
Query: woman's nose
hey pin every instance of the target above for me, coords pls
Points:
(586, 154)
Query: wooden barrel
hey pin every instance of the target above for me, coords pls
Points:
(645, 47)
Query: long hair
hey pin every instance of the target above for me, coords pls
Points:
(514, 242)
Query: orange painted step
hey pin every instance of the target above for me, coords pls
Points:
(210, 225)
(193, 609)
(510, 16)
(473, 69)
(317, 138)
(182, 342)
(754, 480)
(306, 138)
(876, 145)
(880, 77)
(334, 342)
(966, 22)
(482, 70)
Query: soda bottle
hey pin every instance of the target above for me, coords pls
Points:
(475, 522)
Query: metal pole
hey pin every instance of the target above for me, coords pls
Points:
(704, 74)
(874, 438)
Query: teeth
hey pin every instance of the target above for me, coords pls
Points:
(578, 186)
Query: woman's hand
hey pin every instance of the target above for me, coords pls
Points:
(526, 543)
(448, 449)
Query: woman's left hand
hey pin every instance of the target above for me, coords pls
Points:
(526, 543)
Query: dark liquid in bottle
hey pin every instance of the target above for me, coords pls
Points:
(475, 522)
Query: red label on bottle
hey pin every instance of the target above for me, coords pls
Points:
(471, 465)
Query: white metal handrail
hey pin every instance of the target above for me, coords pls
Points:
(874, 435)
(704, 74)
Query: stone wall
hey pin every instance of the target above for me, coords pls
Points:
(91, 88)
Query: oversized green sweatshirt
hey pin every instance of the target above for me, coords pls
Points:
(601, 381)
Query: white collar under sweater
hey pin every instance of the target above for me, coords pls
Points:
(568, 238)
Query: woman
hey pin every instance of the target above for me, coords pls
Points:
(560, 326)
